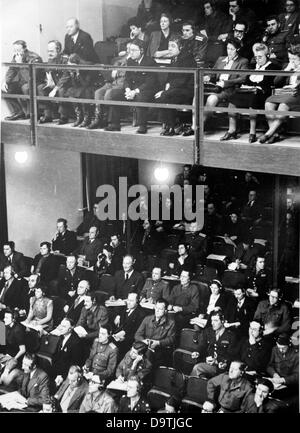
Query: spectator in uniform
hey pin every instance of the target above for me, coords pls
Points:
(133, 402)
(97, 398)
(276, 41)
(154, 287)
(134, 363)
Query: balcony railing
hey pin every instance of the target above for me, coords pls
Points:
(198, 107)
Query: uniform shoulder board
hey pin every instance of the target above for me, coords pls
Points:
(112, 345)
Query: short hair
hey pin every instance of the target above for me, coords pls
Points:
(192, 24)
(259, 46)
(241, 364)
(235, 42)
(91, 295)
(11, 244)
(62, 220)
(295, 3)
(14, 313)
(166, 15)
(139, 43)
(21, 42)
(137, 380)
(294, 50)
(48, 245)
(72, 255)
(265, 382)
(129, 255)
(32, 357)
(218, 313)
(12, 271)
(43, 288)
(212, 3)
(244, 23)
(135, 21)
(107, 327)
(57, 44)
(115, 233)
(272, 17)
(108, 248)
(185, 244)
(162, 301)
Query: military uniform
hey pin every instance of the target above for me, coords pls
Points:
(256, 356)
(142, 406)
(197, 47)
(154, 289)
(17, 80)
(100, 402)
(233, 393)
(277, 45)
(278, 315)
(259, 281)
(286, 365)
(124, 368)
(102, 359)
(92, 319)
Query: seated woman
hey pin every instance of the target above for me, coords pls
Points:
(288, 100)
(216, 299)
(179, 88)
(184, 261)
(41, 310)
(259, 88)
(226, 83)
(9, 377)
(158, 47)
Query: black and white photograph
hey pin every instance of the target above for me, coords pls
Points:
(150, 209)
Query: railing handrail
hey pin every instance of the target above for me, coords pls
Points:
(158, 69)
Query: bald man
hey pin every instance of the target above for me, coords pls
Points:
(79, 42)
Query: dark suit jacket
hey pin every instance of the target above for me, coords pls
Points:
(74, 312)
(17, 263)
(68, 282)
(90, 250)
(13, 297)
(70, 354)
(130, 324)
(49, 269)
(145, 81)
(77, 397)
(221, 302)
(244, 315)
(65, 243)
(84, 47)
(133, 284)
(36, 389)
(234, 80)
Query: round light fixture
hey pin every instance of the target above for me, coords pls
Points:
(21, 157)
(161, 174)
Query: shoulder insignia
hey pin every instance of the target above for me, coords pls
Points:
(112, 345)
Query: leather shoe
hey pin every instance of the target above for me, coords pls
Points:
(264, 138)
(142, 130)
(112, 128)
(16, 116)
(188, 132)
(229, 136)
(44, 119)
(62, 121)
(274, 139)
(252, 138)
(169, 133)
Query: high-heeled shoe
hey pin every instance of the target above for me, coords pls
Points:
(252, 138)
(229, 136)
(264, 138)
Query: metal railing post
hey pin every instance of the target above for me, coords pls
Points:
(201, 115)
(196, 115)
(33, 105)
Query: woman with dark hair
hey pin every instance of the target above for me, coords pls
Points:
(226, 83)
(41, 310)
(253, 93)
(287, 98)
(179, 88)
(159, 39)
(216, 300)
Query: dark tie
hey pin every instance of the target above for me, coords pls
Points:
(126, 276)
(25, 385)
(4, 290)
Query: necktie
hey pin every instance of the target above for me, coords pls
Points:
(126, 276)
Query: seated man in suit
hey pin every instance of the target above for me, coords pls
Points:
(118, 251)
(72, 391)
(138, 86)
(64, 240)
(127, 280)
(69, 278)
(184, 300)
(12, 257)
(154, 287)
(126, 324)
(34, 385)
(45, 264)
(10, 290)
(251, 213)
(91, 246)
(215, 348)
(17, 80)
(69, 351)
(239, 312)
(76, 303)
(158, 332)
(103, 356)
(134, 363)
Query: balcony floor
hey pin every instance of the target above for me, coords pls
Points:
(281, 158)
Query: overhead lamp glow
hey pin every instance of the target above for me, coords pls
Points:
(21, 157)
(161, 174)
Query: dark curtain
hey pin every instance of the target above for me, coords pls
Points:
(3, 209)
(101, 169)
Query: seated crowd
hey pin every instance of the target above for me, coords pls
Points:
(99, 325)
(216, 34)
